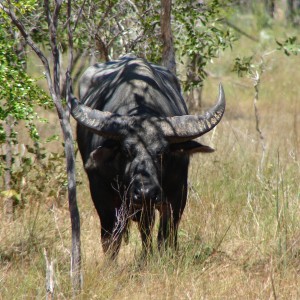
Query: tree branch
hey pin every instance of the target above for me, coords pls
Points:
(52, 25)
(70, 38)
(240, 31)
(168, 56)
(54, 88)
(69, 148)
(32, 44)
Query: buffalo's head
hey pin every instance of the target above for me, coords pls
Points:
(142, 146)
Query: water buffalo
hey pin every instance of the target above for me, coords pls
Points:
(135, 137)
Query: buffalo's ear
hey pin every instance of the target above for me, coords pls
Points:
(190, 147)
(101, 154)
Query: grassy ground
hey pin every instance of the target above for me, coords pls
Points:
(240, 233)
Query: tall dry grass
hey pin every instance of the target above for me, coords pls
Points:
(240, 233)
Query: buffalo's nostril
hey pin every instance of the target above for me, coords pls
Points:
(146, 194)
(154, 196)
(138, 195)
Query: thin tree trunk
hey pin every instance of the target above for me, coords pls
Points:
(270, 7)
(8, 200)
(50, 282)
(73, 208)
(194, 98)
(290, 10)
(168, 55)
(76, 275)
(55, 92)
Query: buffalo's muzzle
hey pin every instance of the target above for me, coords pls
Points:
(146, 195)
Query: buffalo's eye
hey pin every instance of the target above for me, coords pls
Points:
(127, 152)
(159, 155)
(161, 151)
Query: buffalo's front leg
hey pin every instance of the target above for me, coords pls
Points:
(168, 228)
(111, 232)
(111, 213)
(170, 215)
(166, 232)
(145, 223)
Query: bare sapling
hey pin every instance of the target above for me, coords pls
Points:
(256, 83)
(53, 80)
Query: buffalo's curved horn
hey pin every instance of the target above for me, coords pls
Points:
(188, 127)
(100, 122)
